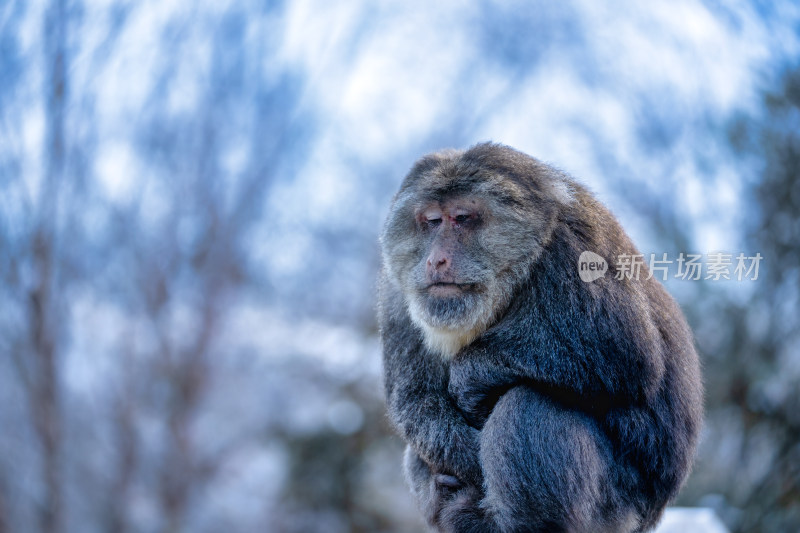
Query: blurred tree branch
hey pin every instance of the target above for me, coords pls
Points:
(45, 315)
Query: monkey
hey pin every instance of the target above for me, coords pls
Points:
(529, 399)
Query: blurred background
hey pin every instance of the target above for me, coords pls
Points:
(190, 198)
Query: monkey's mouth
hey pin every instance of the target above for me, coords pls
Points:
(448, 288)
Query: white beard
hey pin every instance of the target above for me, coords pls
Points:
(447, 341)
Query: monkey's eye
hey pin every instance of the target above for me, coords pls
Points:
(460, 219)
(431, 218)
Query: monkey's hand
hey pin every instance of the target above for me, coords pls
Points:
(476, 384)
(460, 457)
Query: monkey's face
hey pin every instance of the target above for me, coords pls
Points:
(448, 283)
(460, 239)
(455, 259)
(458, 260)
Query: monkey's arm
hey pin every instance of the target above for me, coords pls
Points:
(426, 416)
(596, 347)
(418, 402)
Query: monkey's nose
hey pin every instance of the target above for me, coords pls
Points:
(437, 260)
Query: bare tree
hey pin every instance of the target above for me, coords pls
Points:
(45, 317)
